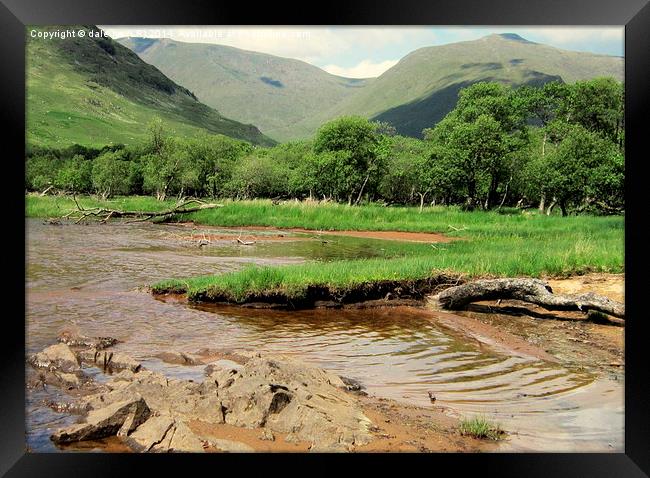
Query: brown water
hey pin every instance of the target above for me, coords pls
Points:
(88, 278)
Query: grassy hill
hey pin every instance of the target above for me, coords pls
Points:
(271, 92)
(94, 91)
(290, 99)
(423, 87)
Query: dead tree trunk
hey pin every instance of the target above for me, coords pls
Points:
(534, 291)
(104, 214)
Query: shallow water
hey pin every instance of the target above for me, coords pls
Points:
(88, 279)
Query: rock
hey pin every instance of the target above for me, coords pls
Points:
(279, 395)
(164, 434)
(352, 385)
(73, 340)
(120, 417)
(230, 445)
(109, 361)
(185, 440)
(273, 393)
(267, 435)
(220, 365)
(56, 357)
(68, 407)
(180, 358)
(150, 433)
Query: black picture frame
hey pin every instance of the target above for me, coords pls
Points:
(16, 14)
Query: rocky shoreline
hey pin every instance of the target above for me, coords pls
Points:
(152, 413)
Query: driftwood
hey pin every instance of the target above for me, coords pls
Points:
(104, 214)
(528, 290)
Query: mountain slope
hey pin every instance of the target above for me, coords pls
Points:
(423, 87)
(94, 91)
(271, 92)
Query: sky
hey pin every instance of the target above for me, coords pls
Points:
(364, 52)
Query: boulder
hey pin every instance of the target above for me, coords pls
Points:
(75, 340)
(109, 361)
(150, 433)
(185, 440)
(179, 358)
(286, 396)
(164, 433)
(57, 357)
(122, 417)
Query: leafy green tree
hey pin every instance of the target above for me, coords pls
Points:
(586, 169)
(258, 175)
(214, 157)
(354, 141)
(168, 166)
(483, 135)
(598, 106)
(110, 174)
(75, 175)
(41, 170)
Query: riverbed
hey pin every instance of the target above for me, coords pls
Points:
(92, 279)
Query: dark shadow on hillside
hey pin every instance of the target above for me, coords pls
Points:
(272, 82)
(411, 118)
(482, 66)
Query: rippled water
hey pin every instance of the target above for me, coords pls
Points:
(87, 278)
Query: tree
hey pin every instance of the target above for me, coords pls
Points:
(597, 105)
(75, 175)
(483, 134)
(258, 175)
(586, 170)
(213, 157)
(354, 141)
(417, 170)
(542, 106)
(110, 174)
(168, 166)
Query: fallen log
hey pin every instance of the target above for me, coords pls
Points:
(534, 291)
(105, 214)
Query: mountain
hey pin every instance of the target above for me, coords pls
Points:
(271, 92)
(290, 99)
(94, 91)
(423, 86)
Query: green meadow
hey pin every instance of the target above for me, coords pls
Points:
(491, 244)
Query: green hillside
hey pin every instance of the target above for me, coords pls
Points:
(423, 87)
(271, 92)
(290, 99)
(94, 91)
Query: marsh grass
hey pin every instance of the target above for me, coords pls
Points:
(480, 427)
(491, 244)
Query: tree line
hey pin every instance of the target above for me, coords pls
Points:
(552, 145)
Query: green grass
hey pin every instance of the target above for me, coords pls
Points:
(57, 206)
(480, 427)
(492, 244)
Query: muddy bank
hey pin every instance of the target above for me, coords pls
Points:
(569, 337)
(368, 294)
(253, 403)
(274, 233)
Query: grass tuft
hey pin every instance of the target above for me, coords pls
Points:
(482, 428)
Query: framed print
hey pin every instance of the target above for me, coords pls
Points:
(369, 232)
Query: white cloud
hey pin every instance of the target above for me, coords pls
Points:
(570, 35)
(317, 45)
(364, 69)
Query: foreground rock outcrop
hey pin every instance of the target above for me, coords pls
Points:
(153, 413)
